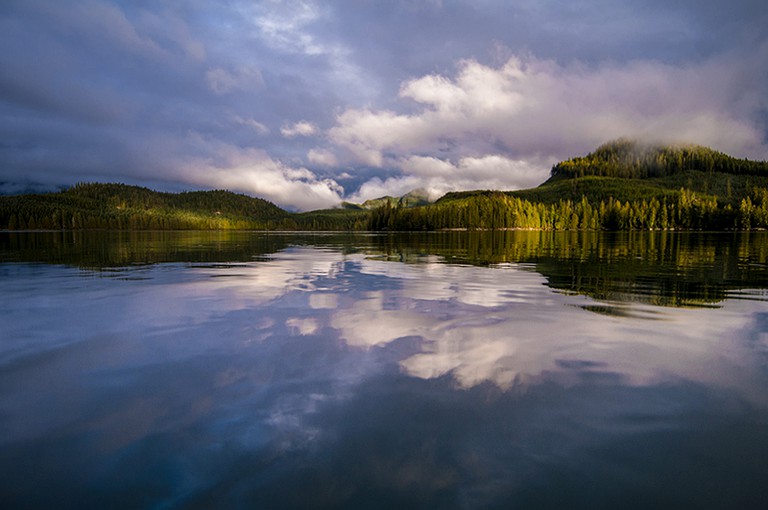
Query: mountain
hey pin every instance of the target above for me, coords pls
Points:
(413, 198)
(623, 184)
(629, 170)
(375, 203)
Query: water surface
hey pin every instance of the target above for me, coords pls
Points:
(450, 370)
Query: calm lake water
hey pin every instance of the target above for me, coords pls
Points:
(443, 370)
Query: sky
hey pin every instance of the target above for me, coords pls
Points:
(310, 103)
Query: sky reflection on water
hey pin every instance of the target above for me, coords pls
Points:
(318, 378)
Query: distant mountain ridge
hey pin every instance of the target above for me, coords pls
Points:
(413, 198)
(10, 188)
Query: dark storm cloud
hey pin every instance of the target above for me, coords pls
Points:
(423, 37)
(290, 100)
(95, 90)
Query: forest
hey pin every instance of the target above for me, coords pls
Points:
(493, 210)
(622, 185)
(123, 207)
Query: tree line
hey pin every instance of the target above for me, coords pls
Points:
(632, 159)
(684, 209)
(123, 207)
(490, 210)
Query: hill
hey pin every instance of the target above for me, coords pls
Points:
(637, 160)
(622, 185)
(119, 206)
(628, 170)
(413, 198)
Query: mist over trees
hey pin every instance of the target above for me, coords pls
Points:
(633, 159)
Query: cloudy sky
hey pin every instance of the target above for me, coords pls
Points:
(308, 103)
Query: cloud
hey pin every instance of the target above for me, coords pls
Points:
(101, 89)
(301, 128)
(438, 176)
(223, 81)
(252, 123)
(537, 107)
(493, 334)
(283, 26)
(322, 157)
(506, 125)
(254, 172)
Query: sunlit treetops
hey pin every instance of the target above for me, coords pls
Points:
(124, 207)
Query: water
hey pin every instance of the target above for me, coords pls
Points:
(444, 370)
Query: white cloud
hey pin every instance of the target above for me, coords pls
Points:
(478, 89)
(283, 26)
(502, 124)
(322, 157)
(494, 330)
(253, 171)
(365, 133)
(251, 123)
(439, 176)
(377, 187)
(303, 327)
(301, 128)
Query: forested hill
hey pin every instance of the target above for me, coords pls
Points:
(633, 159)
(623, 185)
(119, 206)
(217, 202)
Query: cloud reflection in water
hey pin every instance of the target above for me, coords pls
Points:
(342, 376)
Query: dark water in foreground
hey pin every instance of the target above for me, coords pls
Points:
(454, 370)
